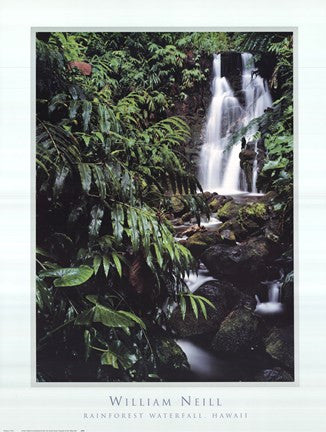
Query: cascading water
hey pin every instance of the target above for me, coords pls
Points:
(219, 167)
(273, 305)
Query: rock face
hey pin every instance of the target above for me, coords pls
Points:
(223, 295)
(244, 261)
(287, 293)
(247, 157)
(279, 344)
(273, 375)
(240, 332)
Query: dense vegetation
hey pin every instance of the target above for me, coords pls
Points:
(110, 155)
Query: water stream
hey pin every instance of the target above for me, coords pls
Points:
(273, 306)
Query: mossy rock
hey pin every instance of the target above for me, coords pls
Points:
(279, 344)
(200, 241)
(257, 212)
(224, 297)
(216, 202)
(240, 332)
(229, 210)
(170, 354)
(178, 206)
(238, 230)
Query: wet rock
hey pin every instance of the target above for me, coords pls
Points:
(216, 202)
(279, 344)
(257, 212)
(240, 332)
(187, 217)
(224, 297)
(228, 211)
(273, 375)
(200, 241)
(245, 261)
(287, 292)
(238, 230)
(227, 235)
(170, 354)
(178, 206)
(268, 197)
(192, 230)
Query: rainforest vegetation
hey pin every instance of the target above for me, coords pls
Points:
(118, 124)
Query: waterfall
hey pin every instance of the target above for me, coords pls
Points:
(219, 166)
(273, 305)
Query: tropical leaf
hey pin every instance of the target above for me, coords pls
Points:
(69, 276)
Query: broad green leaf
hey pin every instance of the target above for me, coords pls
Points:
(60, 180)
(111, 318)
(194, 305)
(117, 215)
(99, 180)
(183, 306)
(43, 295)
(202, 307)
(96, 263)
(97, 213)
(117, 263)
(85, 176)
(158, 255)
(118, 352)
(204, 299)
(69, 276)
(109, 359)
(87, 110)
(106, 265)
(134, 318)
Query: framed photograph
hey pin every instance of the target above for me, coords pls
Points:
(164, 178)
(164, 207)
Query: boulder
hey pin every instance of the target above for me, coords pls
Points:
(227, 235)
(244, 261)
(279, 344)
(200, 241)
(256, 211)
(273, 375)
(238, 230)
(170, 354)
(187, 217)
(216, 202)
(228, 211)
(178, 206)
(224, 297)
(240, 332)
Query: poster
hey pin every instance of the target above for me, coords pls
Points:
(186, 405)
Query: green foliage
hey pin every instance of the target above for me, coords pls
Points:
(109, 161)
(197, 303)
(110, 164)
